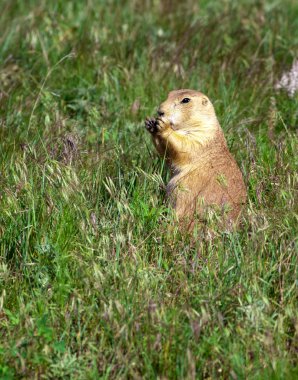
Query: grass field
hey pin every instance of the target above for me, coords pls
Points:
(96, 282)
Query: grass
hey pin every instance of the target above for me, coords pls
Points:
(95, 279)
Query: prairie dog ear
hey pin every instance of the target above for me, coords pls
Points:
(204, 101)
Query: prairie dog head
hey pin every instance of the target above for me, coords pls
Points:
(190, 112)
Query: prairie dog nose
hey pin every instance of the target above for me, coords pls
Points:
(160, 113)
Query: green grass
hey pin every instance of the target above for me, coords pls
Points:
(95, 279)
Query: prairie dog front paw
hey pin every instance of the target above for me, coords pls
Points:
(151, 125)
(162, 124)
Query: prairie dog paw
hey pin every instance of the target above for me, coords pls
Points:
(151, 124)
(162, 124)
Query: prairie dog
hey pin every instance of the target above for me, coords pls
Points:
(204, 175)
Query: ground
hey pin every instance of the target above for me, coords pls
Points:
(95, 279)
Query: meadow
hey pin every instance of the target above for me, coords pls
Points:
(96, 280)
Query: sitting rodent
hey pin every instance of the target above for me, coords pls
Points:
(204, 175)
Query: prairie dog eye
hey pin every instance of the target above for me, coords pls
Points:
(185, 100)
(204, 101)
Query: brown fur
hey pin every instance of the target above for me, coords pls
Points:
(204, 174)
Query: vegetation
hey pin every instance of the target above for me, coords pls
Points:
(95, 279)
